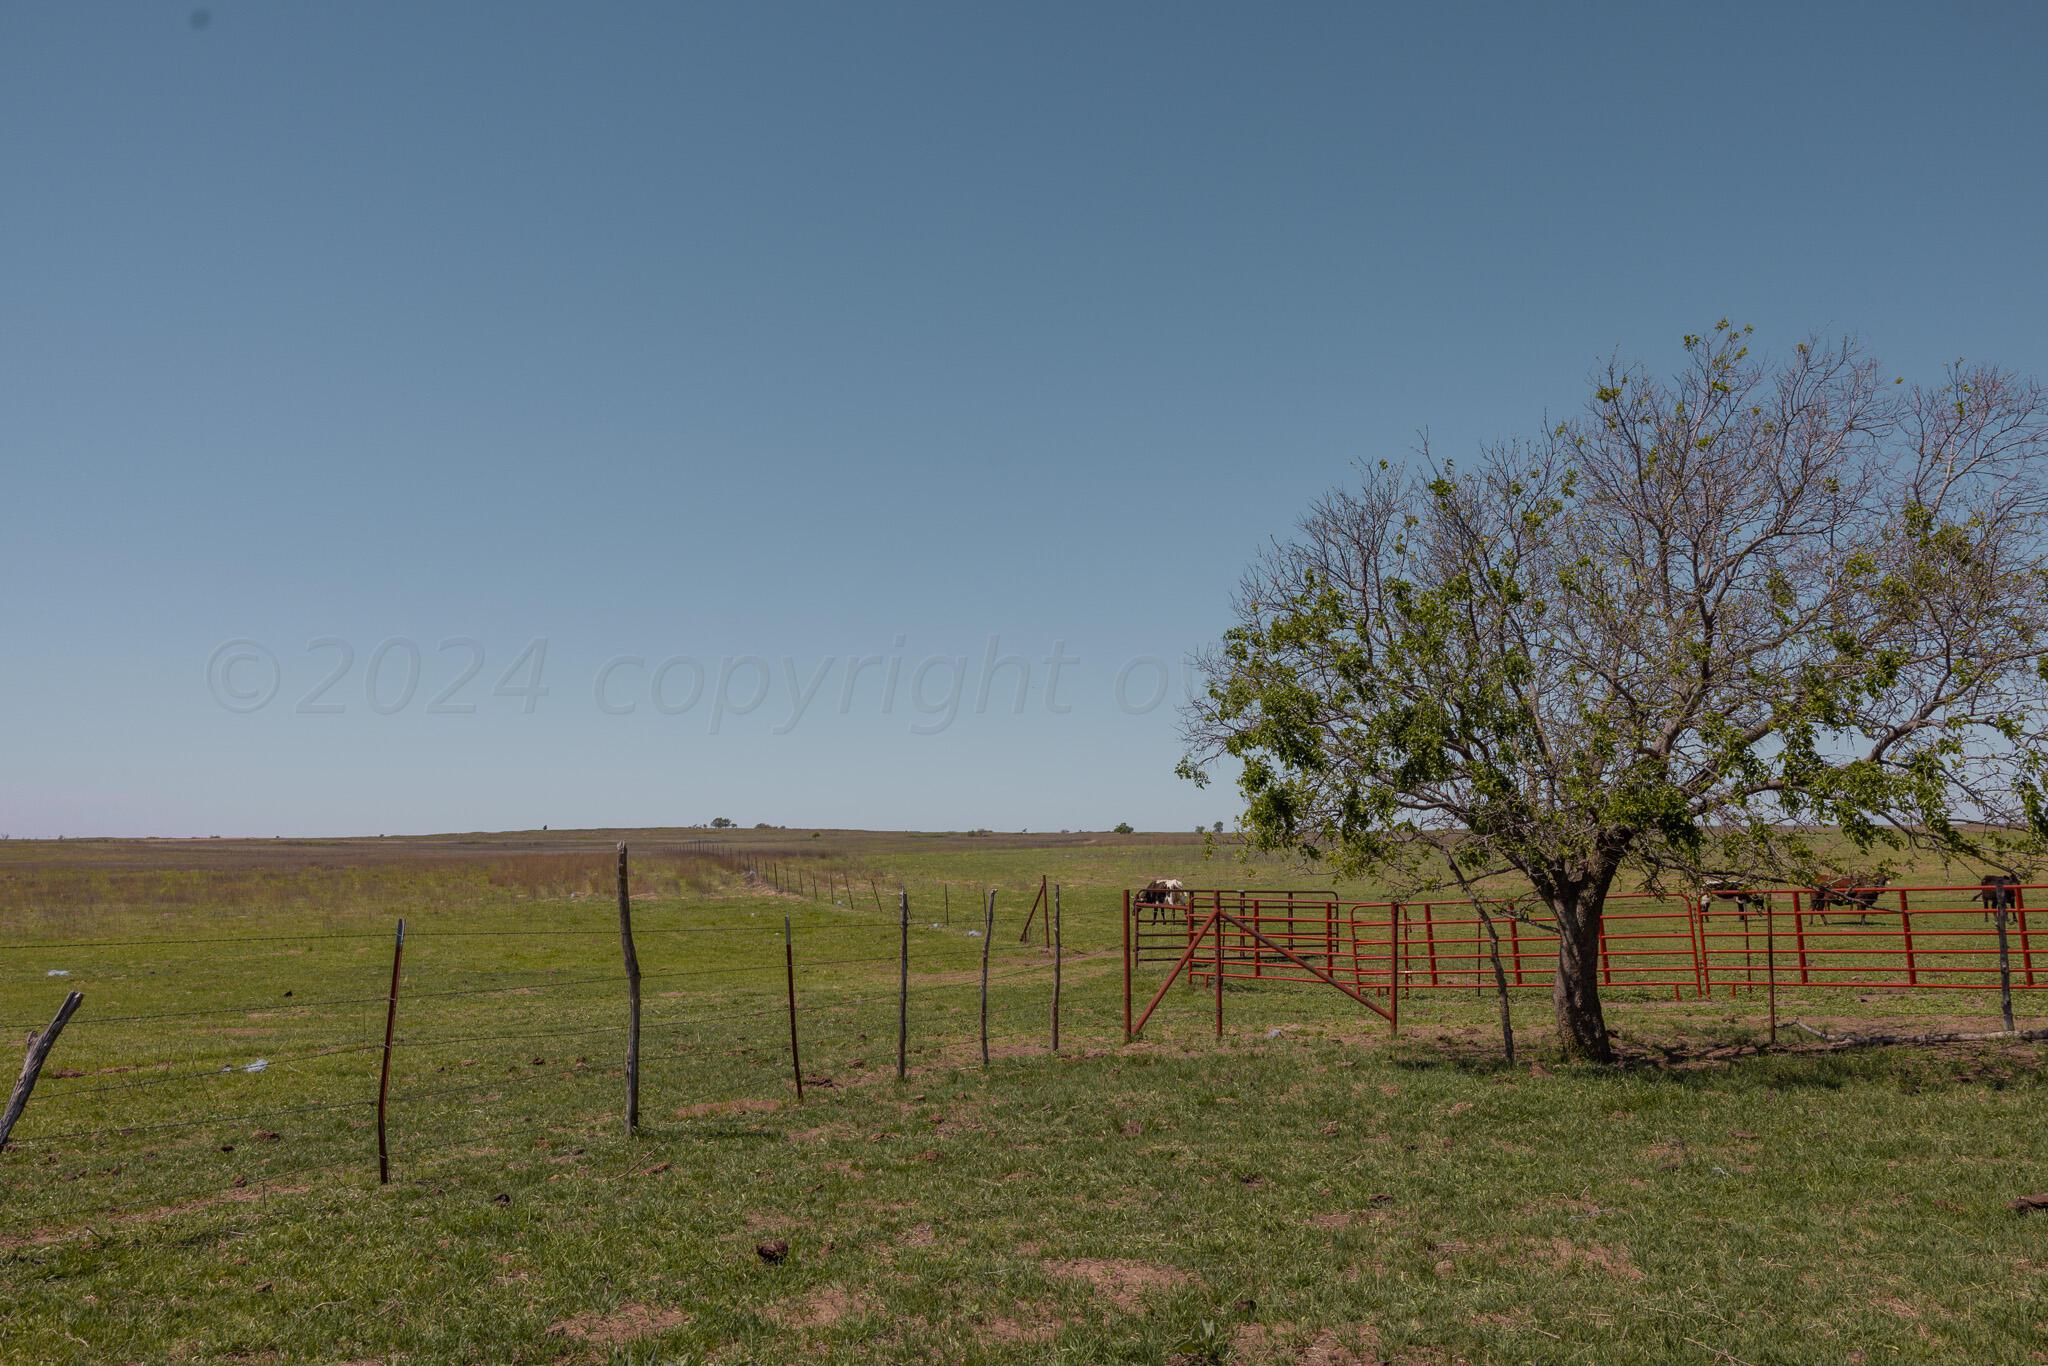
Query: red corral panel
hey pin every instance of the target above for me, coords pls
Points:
(1726, 939)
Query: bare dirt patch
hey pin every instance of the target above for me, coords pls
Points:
(1260, 1344)
(1349, 1345)
(1005, 1329)
(1122, 1281)
(823, 1308)
(628, 1323)
(1563, 1252)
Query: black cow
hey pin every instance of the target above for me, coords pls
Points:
(1999, 892)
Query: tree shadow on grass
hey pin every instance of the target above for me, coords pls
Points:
(1755, 1064)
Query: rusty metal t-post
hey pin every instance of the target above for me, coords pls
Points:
(384, 1073)
(903, 987)
(1057, 950)
(789, 966)
(632, 998)
(988, 932)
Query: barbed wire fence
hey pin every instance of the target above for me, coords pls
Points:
(413, 1052)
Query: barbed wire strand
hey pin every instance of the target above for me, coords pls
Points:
(62, 1092)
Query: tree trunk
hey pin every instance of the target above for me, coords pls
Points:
(1575, 994)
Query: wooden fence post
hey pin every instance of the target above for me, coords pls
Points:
(1057, 950)
(1394, 968)
(789, 965)
(903, 987)
(1218, 949)
(1771, 961)
(988, 932)
(384, 1073)
(1798, 936)
(1906, 925)
(632, 998)
(39, 1046)
(2004, 967)
(2019, 906)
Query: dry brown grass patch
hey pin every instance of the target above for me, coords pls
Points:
(627, 1323)
(1124, 1282)
(824, 1307)
(1563, 1252)
(1006, 1329)
(1351, 1345)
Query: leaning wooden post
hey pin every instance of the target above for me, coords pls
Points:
(632, 998)
(39, 1046)
(988, 932)
(384, 1073)
(2004, 966)
(946, 898)
(1056, 952)
(903, 986)
(789, 965)
(1032, 914)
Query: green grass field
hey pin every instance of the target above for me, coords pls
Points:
(1309, 1188)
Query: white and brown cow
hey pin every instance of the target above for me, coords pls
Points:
(1161, 895)
(1747, 901)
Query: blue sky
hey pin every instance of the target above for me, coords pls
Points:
(803, 333)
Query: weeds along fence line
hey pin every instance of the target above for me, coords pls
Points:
(207, 1067)
(825, 877)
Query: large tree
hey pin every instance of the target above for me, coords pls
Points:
(1687, 629)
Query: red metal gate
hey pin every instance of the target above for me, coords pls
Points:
(1907, 938)
(1263, 936)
